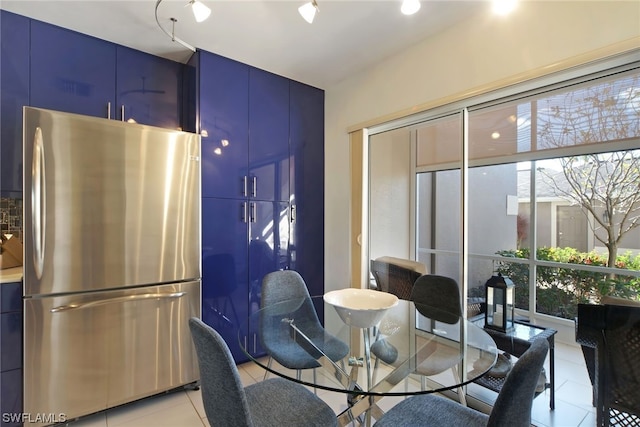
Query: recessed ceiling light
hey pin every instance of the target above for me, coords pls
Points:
(409, 7)
(504, 7)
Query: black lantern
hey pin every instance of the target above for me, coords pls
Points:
(499, 293)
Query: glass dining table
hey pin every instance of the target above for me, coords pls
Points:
(408, 352)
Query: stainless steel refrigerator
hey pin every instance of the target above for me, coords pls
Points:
(111, 261)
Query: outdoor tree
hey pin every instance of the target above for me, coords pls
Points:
(606, 185)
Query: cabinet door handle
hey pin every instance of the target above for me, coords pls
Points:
(122, 113)
(109, 110)
(243, 214)
(254, 185)
(254, 212)
(245, 185)
(293, 213)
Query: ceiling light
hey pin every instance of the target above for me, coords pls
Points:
(504, 7)
(172, 34)
(308, 11)
(409, 7)
(200, 11)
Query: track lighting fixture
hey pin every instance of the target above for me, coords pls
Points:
(308, 11)
(200, 11)
(409, 7)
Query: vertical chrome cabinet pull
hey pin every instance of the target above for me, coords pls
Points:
(254, 189)
(109, 110)
(38, 202)
(122, 113)
(244, 213)
(293, 213)
(253, 213)
(244, 185)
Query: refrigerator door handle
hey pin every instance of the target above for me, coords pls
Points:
(127, 298)
(38, 201)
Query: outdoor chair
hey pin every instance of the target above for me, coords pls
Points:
(610, 338)
(396, 275)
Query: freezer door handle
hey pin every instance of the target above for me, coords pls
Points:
(38, 201)
(126, 298)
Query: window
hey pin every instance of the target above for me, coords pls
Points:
(551, 192)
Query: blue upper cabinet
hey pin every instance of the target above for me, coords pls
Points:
(149, 89)
(307, 184)
(268, 136)
(14, 94)
(223, 88)
(72, 72)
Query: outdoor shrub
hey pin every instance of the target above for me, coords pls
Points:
(560, 289)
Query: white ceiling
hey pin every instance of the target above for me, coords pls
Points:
(346, 36)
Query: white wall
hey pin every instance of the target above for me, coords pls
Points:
(390, 178)
(484, 52)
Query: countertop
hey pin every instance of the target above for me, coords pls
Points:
(10, 275)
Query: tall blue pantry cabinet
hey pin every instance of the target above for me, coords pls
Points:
(257, 152)
(306, 133)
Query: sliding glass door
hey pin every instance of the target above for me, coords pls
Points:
(549, 191)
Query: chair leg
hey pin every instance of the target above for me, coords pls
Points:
(266, 373)
(315, 390)
(461, 394)
(375, 371)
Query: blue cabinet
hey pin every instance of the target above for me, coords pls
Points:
(233, 267)
(71, 72)
(262, 156)
(268, 135)
(11, 352)
(243, 116)
(80, 74)
(149, 89)
(307, 184)
(223, 95)
(225, 269)
(14, 94)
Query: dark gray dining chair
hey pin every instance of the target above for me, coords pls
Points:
(512, 407)
(438, 298)
(275, 402)
(288, 285)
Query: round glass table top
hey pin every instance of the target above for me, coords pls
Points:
(413, 349)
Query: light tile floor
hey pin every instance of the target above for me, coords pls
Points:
(185, 409)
